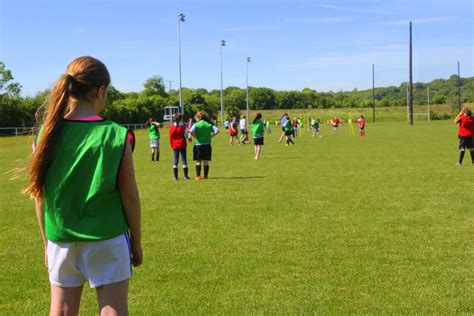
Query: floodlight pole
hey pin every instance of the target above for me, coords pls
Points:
(410, 83)
(222, 44)
(247, 92)
(373, 92)
(181, 18)
(459, 87)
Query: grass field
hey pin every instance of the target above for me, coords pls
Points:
(337, 225)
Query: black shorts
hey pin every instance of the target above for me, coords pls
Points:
(289, 133)
(283, 129)
(202, 152)
(243, 131)
(466, 142)
(258, 141)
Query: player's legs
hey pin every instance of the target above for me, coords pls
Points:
(65, 300)
(198, 169)
(113, 299)
(175, 163)
(206, 168)
(461, 155)
(184, 160)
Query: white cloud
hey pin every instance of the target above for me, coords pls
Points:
(419, 21)
(339, 8)
(336, 19)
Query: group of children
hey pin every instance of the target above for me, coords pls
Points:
(81, 176)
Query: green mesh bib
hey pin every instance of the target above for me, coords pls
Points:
(81, 197)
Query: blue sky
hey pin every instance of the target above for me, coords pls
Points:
(323, 45)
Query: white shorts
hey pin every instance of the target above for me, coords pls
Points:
(71, 264)
(154, 143)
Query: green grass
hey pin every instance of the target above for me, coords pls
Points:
(337, 225)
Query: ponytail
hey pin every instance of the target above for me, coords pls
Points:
(257, 117)
(51, 129)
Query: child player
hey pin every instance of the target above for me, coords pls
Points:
(82, 178)
(257, 132)
(316, 127)
(154, 133)
(465, 133)
(203, 131)
(233, 131)
(361, 122)
(177, 135)
(288, 129)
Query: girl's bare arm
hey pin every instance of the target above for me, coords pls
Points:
(131, 203)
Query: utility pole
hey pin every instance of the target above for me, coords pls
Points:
(169, 81)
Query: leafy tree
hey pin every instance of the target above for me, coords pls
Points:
(262, 98)
(154, 86)
(7, 87)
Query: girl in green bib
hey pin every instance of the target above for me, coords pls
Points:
(203, 131)
(258, 128)
(87, 203)
(154, 134)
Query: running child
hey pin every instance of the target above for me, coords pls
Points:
(257, 133)
(177, 135)
(315, 125)
(244, 138)
(203, 131)
(233, 131)
(82, 179)
(465, 134)
(361, 122)
(288, 131)
(154, 134)
(283, 120)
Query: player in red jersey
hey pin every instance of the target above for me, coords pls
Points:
(361, 122)
(465, 133)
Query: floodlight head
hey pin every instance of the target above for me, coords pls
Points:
(181, 17)
(222, 43)
(248, 59)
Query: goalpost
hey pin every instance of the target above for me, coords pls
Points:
(420, 115)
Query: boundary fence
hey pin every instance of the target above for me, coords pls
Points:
(22, 131)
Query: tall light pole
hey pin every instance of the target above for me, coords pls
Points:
(222, 44)
(247, 64)
(181, 18)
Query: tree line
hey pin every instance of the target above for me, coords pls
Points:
(137, 107)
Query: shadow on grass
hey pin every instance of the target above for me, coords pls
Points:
(236, 178)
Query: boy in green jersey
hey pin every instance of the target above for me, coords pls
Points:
(154, 133)
(203, 131)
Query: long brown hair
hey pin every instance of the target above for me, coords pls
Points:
(83, 75)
